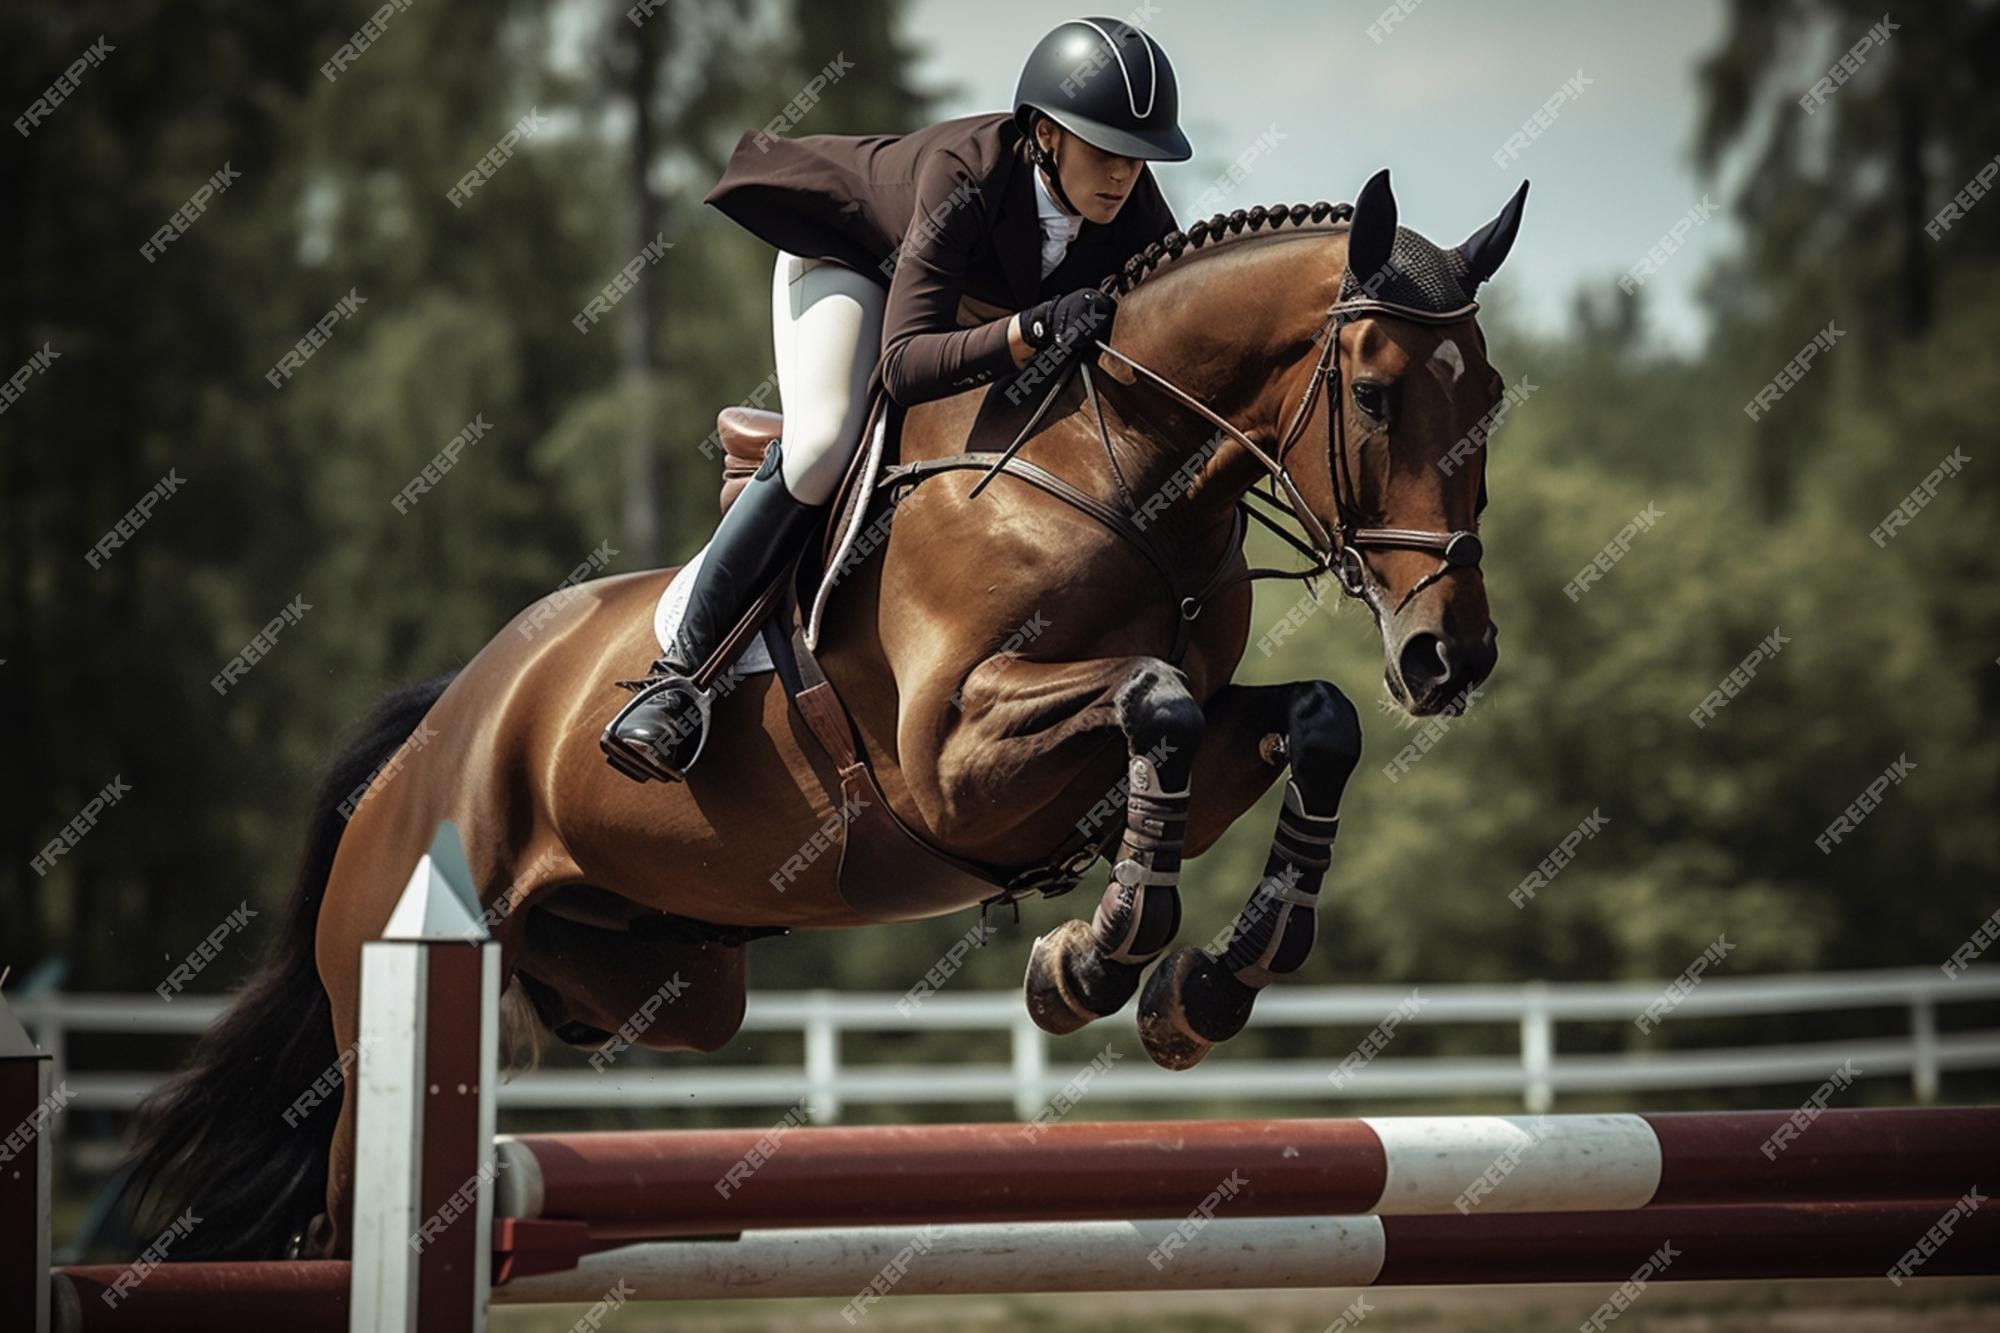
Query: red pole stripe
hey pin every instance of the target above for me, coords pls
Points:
(665, 1184)
(1771, 1241)
(1856, 1156)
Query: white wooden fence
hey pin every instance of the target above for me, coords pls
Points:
(1539, 1073)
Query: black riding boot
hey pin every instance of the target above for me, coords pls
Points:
(661, 731)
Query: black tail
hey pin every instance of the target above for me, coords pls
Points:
(215, 1139)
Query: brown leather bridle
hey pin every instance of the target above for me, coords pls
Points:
(1339, 550)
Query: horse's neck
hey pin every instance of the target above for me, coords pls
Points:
(1226, 334)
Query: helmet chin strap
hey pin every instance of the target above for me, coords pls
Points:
(1051, 173)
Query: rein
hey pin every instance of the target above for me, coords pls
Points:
(1340, 550)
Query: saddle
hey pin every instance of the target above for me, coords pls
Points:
(888, 871)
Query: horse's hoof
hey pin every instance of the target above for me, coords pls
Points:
(1056, 1008)
(1163, 1021)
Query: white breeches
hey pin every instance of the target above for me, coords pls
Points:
(826, 324)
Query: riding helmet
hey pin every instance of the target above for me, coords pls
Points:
(1109, 84)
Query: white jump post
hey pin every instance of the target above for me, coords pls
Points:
(25, 1177)
(424, 1167)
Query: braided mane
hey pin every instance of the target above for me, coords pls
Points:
(1222, 227)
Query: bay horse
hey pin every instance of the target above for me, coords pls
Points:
(1322, 350)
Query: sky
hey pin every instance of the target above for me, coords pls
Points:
(1434, 99)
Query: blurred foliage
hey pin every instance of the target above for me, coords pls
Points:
(286, 493)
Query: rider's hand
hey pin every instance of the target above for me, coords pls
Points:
(1070, 319)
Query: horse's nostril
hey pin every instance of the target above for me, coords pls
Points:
(1424, 663)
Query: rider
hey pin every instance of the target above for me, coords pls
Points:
(984, 264)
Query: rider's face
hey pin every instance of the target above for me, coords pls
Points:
(1097, 182)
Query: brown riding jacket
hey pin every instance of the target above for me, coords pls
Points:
(945, 219)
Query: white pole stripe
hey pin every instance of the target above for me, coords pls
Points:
(1516, 1164)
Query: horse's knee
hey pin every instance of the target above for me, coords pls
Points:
(1161, 720)
(1324, 740)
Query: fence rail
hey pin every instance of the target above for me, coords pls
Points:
(826, 1082)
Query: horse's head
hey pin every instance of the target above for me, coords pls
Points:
(1398, 475)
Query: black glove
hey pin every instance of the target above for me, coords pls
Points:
(1068, 320)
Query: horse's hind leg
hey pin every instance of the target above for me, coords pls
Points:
(1081, 972)
(1203, 996)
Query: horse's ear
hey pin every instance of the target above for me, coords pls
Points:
(1373, 231)
(1486, 249)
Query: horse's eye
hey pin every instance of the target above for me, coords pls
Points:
(1372, 398)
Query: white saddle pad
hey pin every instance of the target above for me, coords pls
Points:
(753, 658)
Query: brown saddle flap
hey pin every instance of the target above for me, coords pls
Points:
(746, 433)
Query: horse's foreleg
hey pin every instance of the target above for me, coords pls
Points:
(1080, 971)
(1202, 996)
